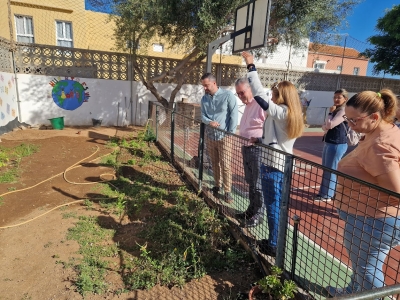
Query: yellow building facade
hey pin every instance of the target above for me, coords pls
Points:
(68, 23)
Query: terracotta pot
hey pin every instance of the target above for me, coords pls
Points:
(255, 290)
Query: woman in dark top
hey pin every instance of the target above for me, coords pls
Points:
(335, 147)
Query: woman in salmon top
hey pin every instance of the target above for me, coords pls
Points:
(372, 221)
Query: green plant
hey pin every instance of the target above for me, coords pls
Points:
(147, 135)
(24, 150)
(272, 284)
(109, 160)
(3, 159)
(131, 162)
(91, 276)
(113, 142)
(10, 159)
(88, 204)
(92, 269)
(69, 215)
(8, 176)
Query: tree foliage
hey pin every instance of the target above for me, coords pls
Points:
(386, 53)
(190, 25)
(293, 21)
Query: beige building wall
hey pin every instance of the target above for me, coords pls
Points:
(90, 30)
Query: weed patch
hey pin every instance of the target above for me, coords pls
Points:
(92, 240)
(181, 238)
(10, 160)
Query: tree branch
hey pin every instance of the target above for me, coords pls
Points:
(181, 78)
(173, 71)
(150, 86)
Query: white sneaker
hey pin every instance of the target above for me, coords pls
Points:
(322, 199)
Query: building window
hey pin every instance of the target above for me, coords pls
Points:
(158, 47)
(319, 64)
(64, 34)
(356, 70)
(24, 29)
(339, 68)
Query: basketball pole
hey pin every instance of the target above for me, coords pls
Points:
(213, 46)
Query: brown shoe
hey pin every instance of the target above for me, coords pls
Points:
(228, 198)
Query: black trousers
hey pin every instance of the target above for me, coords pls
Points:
(252, 163)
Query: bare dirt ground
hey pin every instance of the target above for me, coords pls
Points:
(29, 252)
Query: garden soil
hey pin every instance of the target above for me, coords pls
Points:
(29, 252)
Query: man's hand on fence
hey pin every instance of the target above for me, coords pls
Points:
(254, 140)
(214, 124)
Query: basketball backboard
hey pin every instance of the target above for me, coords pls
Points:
(254, 15)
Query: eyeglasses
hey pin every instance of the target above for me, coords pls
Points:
(354, 121)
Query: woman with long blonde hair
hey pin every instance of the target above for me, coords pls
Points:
(283, 124)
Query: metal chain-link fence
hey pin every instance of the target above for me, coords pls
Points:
(322, 245)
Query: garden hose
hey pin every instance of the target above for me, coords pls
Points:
(64, 175)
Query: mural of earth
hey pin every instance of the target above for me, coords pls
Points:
(68, 94)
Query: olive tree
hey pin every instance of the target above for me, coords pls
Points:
(191, 25)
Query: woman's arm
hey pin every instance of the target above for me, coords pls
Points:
(390, 181)
(332, 122)
(274, 111)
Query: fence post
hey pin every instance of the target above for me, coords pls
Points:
(157, 123)
(172, 132)
(201, 154)
(284, 211)
(296, 220)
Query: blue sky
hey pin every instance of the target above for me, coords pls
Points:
(363, 19)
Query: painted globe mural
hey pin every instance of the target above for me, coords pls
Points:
(68, 94)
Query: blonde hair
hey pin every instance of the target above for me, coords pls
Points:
(286, 93)
(384, 102)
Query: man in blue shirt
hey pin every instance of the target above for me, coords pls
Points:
(219, 110)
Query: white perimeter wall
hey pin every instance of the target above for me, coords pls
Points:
(37, 105)
(110, 101)
(319, 105)
(8, 98)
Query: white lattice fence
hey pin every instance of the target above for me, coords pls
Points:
(61, 61)
(5, 56)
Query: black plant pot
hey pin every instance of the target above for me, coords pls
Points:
(96, 122)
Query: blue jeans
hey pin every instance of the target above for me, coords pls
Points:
(368, 241)
(331, 155)
(271, 182)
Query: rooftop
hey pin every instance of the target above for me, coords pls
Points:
(334, 50)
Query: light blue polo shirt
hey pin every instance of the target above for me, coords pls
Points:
(222, 108)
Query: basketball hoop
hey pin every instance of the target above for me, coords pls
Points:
(253, 17)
